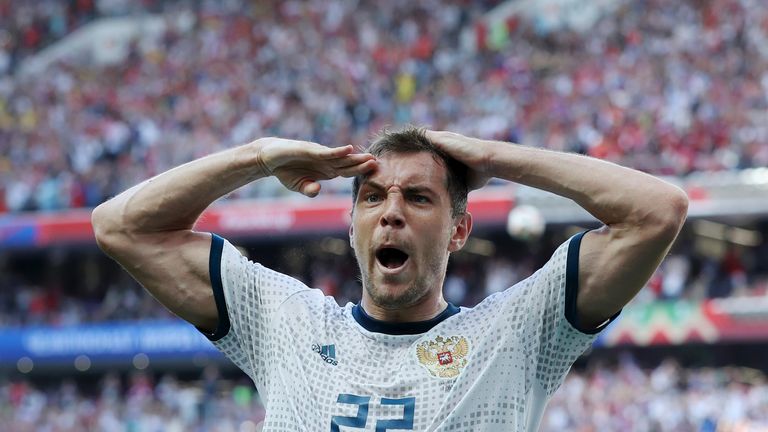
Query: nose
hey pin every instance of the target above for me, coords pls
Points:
(393, 212)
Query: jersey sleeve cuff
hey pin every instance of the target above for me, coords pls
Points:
(214, 269)
(572, 289)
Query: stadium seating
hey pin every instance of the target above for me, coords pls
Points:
(28, 27)
(671, 88)
(640, 89)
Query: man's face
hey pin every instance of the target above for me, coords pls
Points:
(402, 229)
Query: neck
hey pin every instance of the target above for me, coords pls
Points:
(425, 309)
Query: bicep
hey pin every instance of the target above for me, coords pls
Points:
(614, 264)
(174, 268)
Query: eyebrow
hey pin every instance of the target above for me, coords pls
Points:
(417, 189)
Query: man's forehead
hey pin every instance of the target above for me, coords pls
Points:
(407, 168)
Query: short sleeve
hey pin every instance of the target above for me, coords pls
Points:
(544, 305)
(248, 296)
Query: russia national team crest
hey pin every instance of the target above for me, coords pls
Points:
(444, 357)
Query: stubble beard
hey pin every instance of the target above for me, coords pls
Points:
(419, 288)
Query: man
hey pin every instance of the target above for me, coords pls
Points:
(402, 359)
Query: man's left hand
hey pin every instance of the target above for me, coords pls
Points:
(472, 152)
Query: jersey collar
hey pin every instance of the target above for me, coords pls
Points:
(398, 328)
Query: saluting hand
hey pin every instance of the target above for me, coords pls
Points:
(300, 165)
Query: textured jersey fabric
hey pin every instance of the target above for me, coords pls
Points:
(322, 367)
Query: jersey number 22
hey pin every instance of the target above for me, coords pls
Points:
(362, 402)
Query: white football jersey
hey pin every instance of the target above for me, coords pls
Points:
(322, 367)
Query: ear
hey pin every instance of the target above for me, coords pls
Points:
(460, 232)
(352, 236)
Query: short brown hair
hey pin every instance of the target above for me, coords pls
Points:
(412, 139)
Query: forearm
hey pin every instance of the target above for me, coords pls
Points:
(174, 200)
(612, 193)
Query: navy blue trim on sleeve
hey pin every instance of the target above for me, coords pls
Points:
(572, 288)
(214, 268)
(399, 328)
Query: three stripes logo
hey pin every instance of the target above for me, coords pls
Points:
(327, 353)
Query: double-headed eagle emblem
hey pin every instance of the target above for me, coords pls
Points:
(444, 357)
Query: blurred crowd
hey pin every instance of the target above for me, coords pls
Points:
(666, 87)
(58, 288)
(28, 27)
(667, 398)
(139, 402)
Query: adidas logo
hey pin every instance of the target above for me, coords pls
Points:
(326, 352)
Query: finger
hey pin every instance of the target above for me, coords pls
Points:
(432, 135)
(436, 138)
(359, 169)
(352, 159)
(310, 188)
(441, 137)
(333, 153)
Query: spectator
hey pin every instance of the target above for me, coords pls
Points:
(663, 87)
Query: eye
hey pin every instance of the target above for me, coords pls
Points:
(421, 199)
(372, 198)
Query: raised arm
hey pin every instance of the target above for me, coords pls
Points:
(642, 214)
(148, 228)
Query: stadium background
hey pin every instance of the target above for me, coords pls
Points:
(96, 96)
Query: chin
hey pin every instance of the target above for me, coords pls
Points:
(395, 296)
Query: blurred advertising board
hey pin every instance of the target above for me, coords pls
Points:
(169, 341)
(138, 342)
(683, 322)
(243, 218)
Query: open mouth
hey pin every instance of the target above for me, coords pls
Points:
(391, 258)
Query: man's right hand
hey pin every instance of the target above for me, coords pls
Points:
(300, 165)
